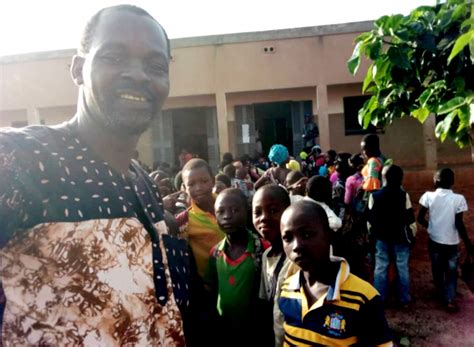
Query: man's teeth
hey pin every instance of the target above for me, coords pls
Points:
(132, 97)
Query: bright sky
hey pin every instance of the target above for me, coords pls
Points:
(42, 25)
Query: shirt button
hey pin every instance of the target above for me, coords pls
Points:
(155, 245)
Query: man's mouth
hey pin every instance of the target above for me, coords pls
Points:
(133, 97)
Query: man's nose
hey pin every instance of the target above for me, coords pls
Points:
(136, 72)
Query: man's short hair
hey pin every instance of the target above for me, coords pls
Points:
(91, 26)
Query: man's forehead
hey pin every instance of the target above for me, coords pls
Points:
(124, 27)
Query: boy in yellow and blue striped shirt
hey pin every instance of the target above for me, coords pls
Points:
(323, 304)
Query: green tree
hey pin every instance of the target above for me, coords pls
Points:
(422, 64)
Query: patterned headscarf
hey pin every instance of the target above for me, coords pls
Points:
(278, 154)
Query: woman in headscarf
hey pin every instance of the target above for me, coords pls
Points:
(279, 156)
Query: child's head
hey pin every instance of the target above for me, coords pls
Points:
(268, 204)
(198, 181)
(319, 188)
(392, 176)
(330, 157)
(241, 173)
(229, 171)
(316, 150)
(231, 210)
(306, 235)
(356, 162)
(370, 146)
(295, 182)
(342, 168)
(444, 178)
(221, 182)
(279, 155)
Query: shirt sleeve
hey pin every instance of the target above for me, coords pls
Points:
(262, 292)
(424, 200)
(374, 327)
(372, 181)
(12, 198)
(410, 215)
(462, 205)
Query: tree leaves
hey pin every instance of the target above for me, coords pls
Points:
(421, 64)
(461, 42)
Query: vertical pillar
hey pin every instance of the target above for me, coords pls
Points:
(222, 125)
(430, 145)
(145, 148)
(322, 110)
(33, 116)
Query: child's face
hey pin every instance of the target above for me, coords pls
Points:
(231, 213)
(218, 187)
(305, 241)
(266, 214)
(198, 183)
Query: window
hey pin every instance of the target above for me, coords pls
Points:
(352, 105)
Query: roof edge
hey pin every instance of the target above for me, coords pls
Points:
(279, 34)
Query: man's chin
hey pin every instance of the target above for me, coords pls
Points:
(131, 124)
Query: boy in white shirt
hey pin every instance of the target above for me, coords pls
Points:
(444, 228)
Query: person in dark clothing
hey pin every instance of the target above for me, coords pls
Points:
(392, 224)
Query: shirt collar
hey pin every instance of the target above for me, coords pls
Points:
(296, 282)
(443, 190)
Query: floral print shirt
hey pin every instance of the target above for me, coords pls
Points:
(85, 258)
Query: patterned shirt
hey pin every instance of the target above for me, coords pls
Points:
(85, 255)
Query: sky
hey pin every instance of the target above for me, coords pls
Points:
(44, 25)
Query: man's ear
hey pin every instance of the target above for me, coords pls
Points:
(77, 66)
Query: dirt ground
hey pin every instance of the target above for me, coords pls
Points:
(426, 323)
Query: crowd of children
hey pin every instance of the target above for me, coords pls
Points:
(285, 253)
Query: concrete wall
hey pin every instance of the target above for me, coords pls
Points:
(226, 71)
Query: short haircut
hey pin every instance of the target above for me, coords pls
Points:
(372, 144)
(313, 211)
(356, 161)
(319, 188)
(229, 170)
(293, 177)
(197, 163)
(235, 192)
(224, 179)
(276, 191)
(444, 178)
(89, 30)
(394, 175)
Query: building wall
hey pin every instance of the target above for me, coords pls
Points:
(226, 71)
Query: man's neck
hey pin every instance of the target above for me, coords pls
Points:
(116, 149)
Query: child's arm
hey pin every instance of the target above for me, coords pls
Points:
(463, 233)
(422, 217)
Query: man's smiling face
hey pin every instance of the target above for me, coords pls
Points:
(125, 74)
